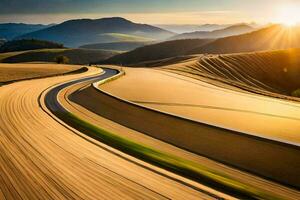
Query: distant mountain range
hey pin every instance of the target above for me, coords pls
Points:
(127, 45)
(79, 32)
(274, 37)
(9, 31)
(119, 34)
(229, 31)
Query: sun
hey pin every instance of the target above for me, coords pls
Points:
(289, 15)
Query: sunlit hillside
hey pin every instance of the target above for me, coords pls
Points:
(273, 71)
(270, 38)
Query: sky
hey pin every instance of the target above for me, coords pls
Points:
(150, 11)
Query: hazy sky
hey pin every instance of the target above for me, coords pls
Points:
(151, 11)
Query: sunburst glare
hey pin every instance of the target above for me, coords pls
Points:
(289, 15)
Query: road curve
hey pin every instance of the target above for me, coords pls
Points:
(42, 159)
(51, 100)
(60, 95)
(54, 105)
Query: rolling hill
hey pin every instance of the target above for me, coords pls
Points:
(76, 56)
(156, 51)
(79, 32)
(115, 46)
(119, 42)
(270, 38)
(267, 72)
(119, 37)
(185, 28)
(9, 31)
(22, 45)
(274, 37)
(229, 31)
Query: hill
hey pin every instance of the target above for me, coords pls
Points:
(22, 45)
(157, 51)
(119, 37)
(229, 31)
(270, 72)
(79, 32)
(115, 46)
(270, 38)
(76, 56)
(9, 31)
(274, 37)
(213, 27)
(184, 28)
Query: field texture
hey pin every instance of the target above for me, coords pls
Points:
(205, 102)
(14, 72)
(54, 162)
(95, 105)
(272, 71)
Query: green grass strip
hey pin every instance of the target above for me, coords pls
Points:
(169, 162)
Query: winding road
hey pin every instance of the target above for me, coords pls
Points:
(43, 159)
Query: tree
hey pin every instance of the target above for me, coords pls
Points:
(62, 59)
(296, 93)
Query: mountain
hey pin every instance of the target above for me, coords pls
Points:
(157, 51)
(79, 32)
(9, 31)
(115, 46)
(229, 31)
(270, 38)
(213, 27)
(22, 45)
(273, 37)
(185, 28)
